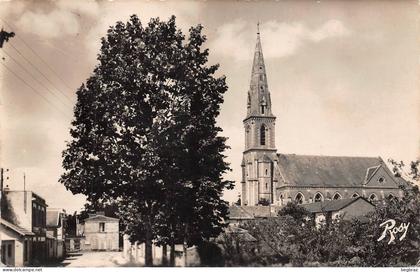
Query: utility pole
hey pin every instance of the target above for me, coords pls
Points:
(1, 195)
(2, 170)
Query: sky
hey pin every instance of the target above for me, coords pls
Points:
(343, 77)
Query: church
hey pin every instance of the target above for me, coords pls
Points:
(271, 178)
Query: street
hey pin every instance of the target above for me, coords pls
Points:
(95, 259)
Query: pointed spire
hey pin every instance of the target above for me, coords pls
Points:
(259, 102)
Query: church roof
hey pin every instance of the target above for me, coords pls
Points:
(327, 171)
(332, 205)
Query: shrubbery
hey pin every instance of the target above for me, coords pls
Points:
(291, 239)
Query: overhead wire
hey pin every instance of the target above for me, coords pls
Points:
(48, 101)
(42, 60)
(37, 80)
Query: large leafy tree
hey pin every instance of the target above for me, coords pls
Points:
(145, 135)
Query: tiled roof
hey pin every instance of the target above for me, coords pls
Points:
(307, 170)
(250, 212)
(101, 218)
(17, 229)
(332, 205)
(242, 234)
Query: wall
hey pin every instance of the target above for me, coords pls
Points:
(107, 240)
(135, 254)
(17, 201)
(290, 193)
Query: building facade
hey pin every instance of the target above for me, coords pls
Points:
(27, 210)
(56, 228)
(272, 178)
(101, 233)
(16, 244)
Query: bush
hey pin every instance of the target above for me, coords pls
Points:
(210, 254)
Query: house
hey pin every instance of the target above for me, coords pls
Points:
(27, 210)
(16, 244)
(277, 178)
(101, 232)
(56, 232)
(240, 214)
(344, 209)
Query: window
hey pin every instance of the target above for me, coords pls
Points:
(262, 109)
(381, 179)
(266, 186)
(262, 135)
(355, 195)
(266, 172)
(373, 197)
(318, 197)
(102, 227)
(337, 196)
(299, 198)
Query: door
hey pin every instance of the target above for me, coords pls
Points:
(8, 253)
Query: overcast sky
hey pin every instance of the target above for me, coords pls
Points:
(343, 76)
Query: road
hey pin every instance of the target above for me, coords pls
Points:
(95, 259)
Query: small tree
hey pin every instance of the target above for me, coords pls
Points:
(299, 213)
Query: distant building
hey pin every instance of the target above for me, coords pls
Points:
(241, 214)
(269, 177)
(56, 228)
(344, 209)
(101, 232)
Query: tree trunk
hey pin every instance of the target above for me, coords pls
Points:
(148, 245)
(172, 253)
(185, 245)
(165, 255)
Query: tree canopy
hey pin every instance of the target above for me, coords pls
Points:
(145, 134)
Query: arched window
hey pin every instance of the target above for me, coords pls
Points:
(337, 196)
(266, 172)
(355, 195)
(266, 186)
(381, 179)
(318, 197)
(373, 197)
(262, 135)
(299, 198)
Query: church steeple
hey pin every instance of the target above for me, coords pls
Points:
(259, 101)
(259, 156)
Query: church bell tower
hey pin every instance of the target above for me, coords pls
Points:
(259, 157)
